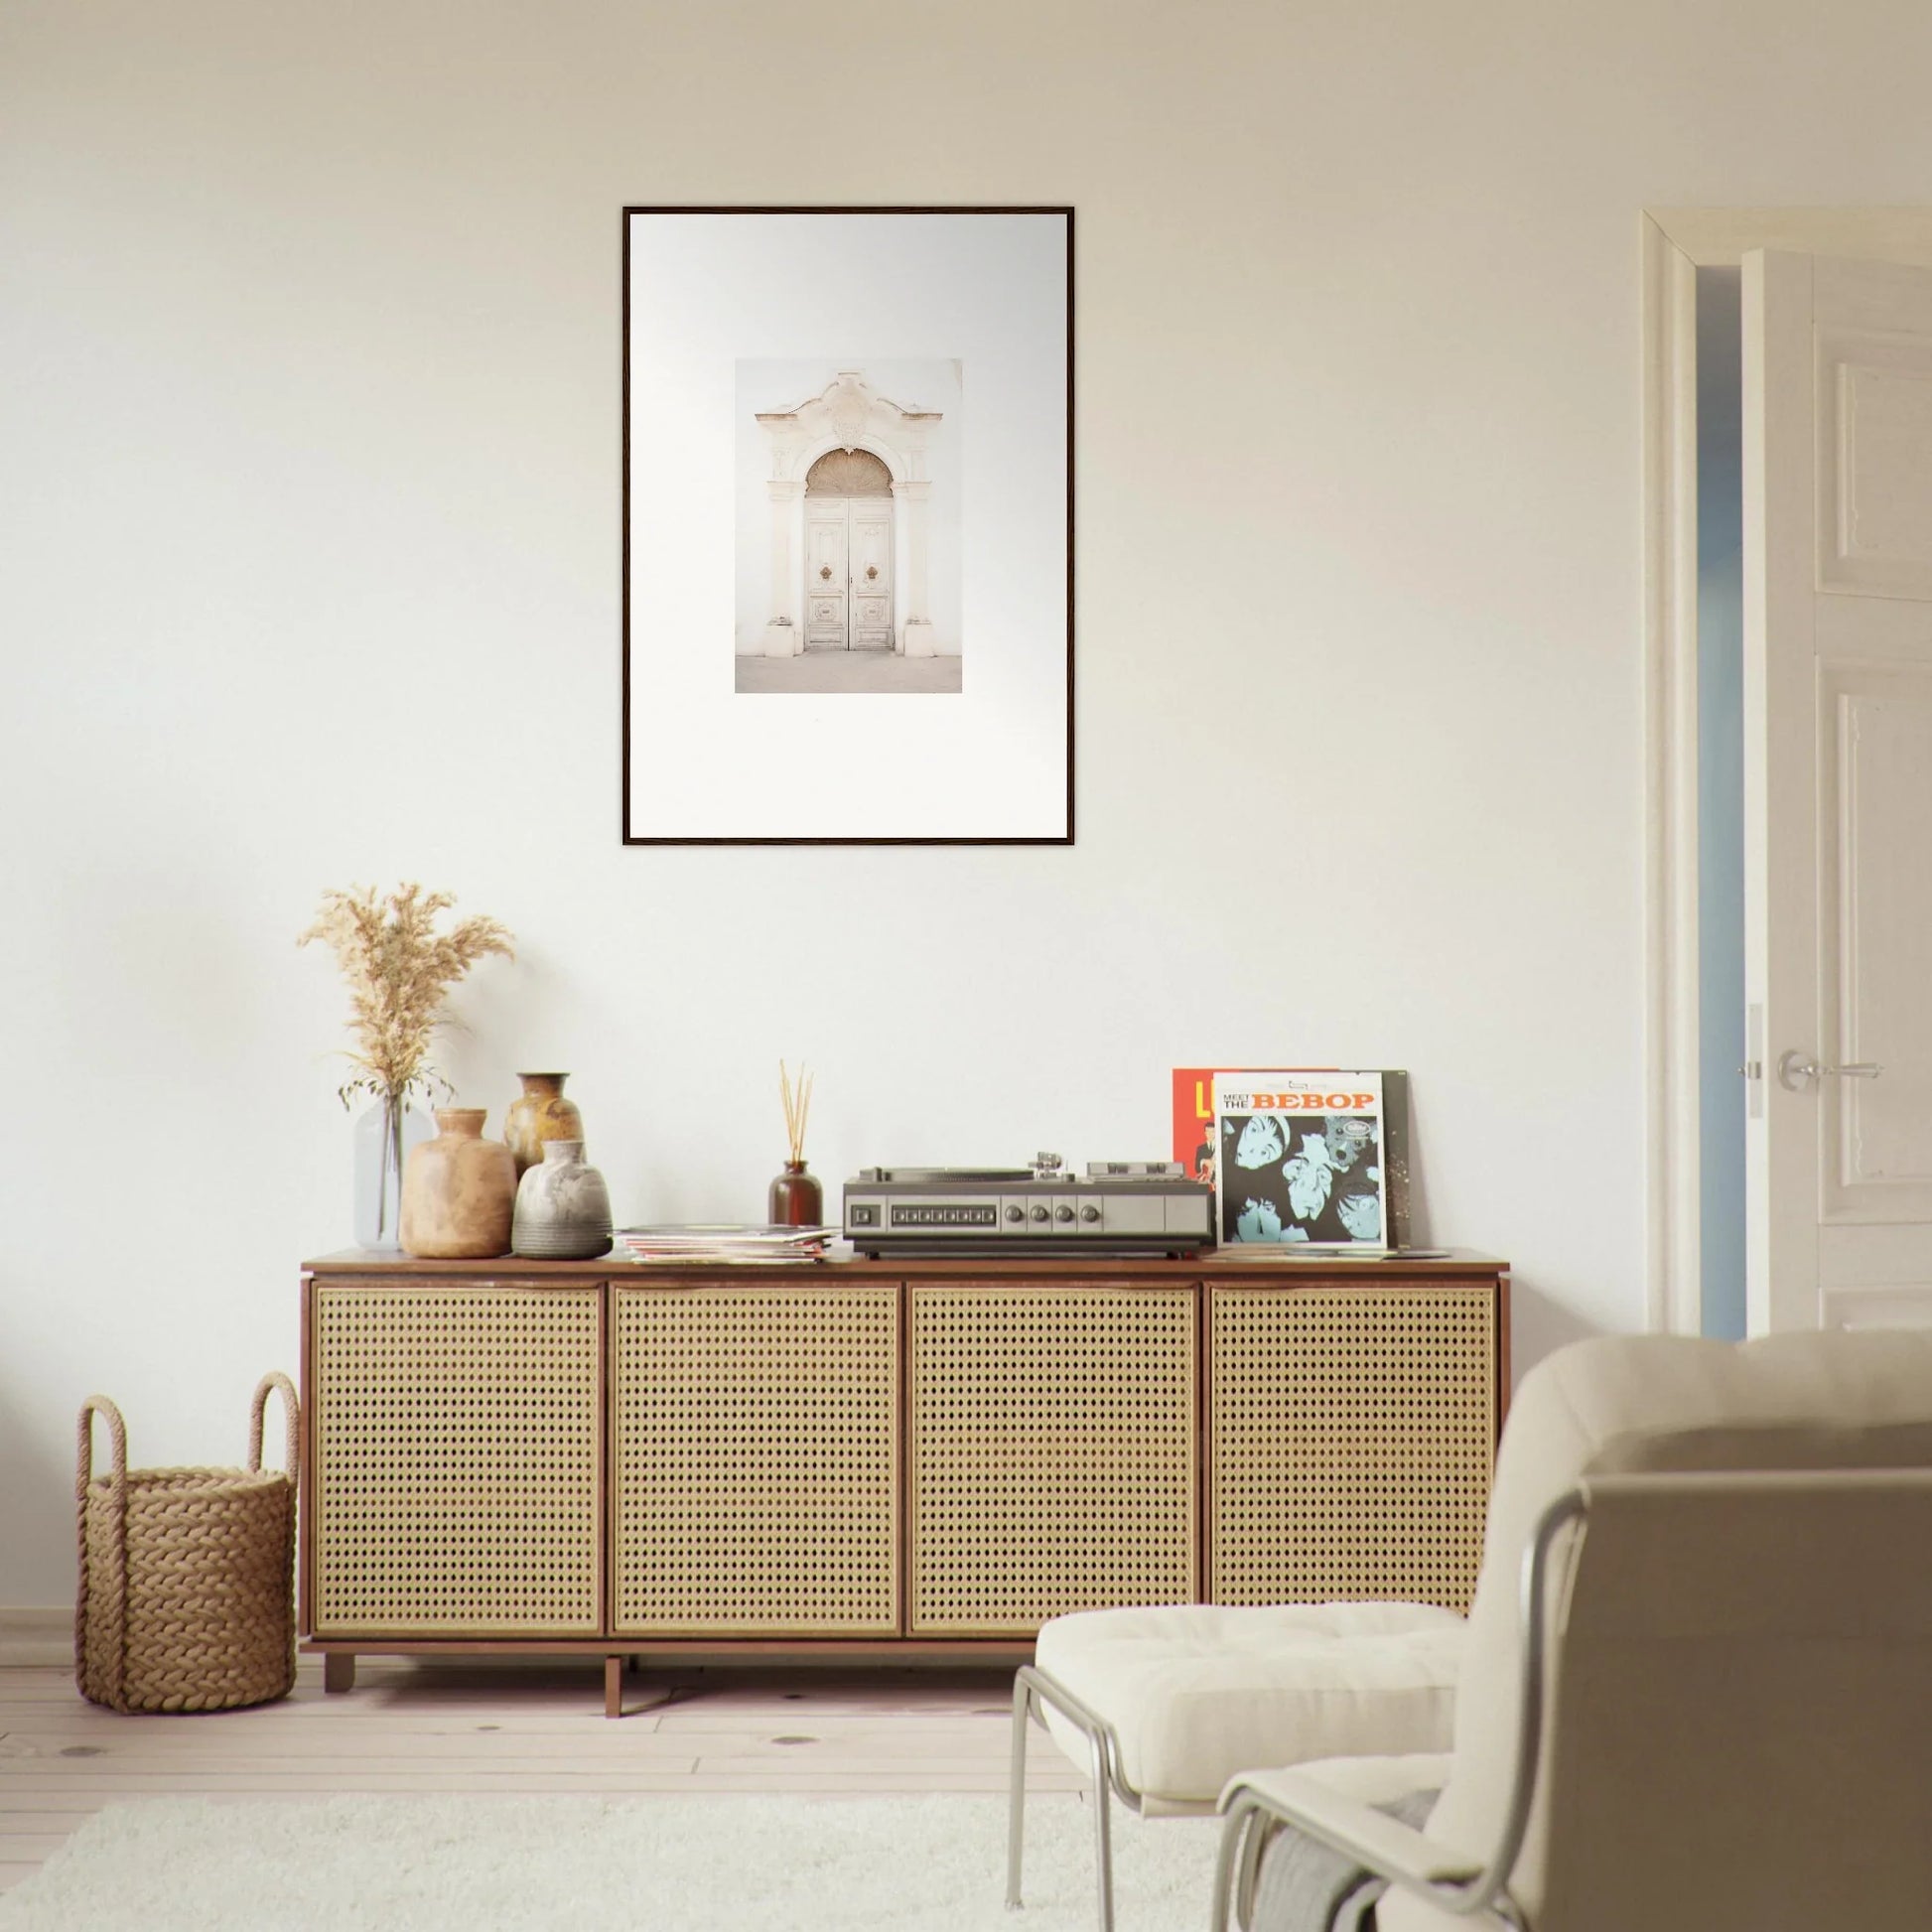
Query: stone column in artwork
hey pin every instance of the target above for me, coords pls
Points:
(917, 642)
(781, 627)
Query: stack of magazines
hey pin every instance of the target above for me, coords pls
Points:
(724, 1241)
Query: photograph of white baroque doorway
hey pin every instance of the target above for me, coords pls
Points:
(940, 343)
(848, 527)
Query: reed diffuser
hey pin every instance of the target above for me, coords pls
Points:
(796, 1200)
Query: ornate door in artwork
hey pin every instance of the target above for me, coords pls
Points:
(826, 572)
(848, 553)
(869, 546)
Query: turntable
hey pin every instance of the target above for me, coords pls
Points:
(1125, 1207)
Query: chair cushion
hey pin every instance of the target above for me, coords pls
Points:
(1197, 1692)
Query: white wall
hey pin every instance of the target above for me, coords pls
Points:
(915, 384)
(309, 574)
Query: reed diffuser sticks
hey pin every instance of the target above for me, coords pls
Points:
(797, 1098)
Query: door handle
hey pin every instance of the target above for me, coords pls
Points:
(1796, 1069)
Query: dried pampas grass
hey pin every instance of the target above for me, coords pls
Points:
(399, 969)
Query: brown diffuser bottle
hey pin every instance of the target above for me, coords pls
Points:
(795, 1199)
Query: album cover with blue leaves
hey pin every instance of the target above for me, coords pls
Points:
(1315, 1157)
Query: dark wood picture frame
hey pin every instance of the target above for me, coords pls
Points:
(631, 834)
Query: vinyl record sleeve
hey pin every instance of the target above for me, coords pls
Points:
(1198, 1146)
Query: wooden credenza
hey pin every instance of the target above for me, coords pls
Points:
(878, 1458)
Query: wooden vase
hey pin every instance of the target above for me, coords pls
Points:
(459, 1191)
(539, 1114)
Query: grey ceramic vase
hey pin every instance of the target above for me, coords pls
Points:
(563, 1208)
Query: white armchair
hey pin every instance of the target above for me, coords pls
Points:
(1697, 1692)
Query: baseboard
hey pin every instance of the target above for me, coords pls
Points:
(36, 1637)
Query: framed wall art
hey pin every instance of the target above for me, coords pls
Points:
(848, 525)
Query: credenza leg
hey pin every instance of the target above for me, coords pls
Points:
(339, 1670)
(614, 1687)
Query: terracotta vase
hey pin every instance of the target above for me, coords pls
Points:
(563, 1208)
(795, 1199)
(458, 1192)
(540, 1113)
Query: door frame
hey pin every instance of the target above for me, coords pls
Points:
(1674, 244)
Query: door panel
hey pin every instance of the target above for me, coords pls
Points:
(1053, 1453)
(1875, 830)
(826, 571)
(1875, 426)
(871, 553)
(1837, 782)
(1351, 1440)
(457, 1482)
(755, 1459)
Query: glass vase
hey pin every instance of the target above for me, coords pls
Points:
(384, 1134)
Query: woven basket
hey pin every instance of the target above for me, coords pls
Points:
(185, 1599)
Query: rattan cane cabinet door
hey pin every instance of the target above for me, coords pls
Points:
(1351, 1440)
(1053, 1453)
(755, 1459)
(458, 1456)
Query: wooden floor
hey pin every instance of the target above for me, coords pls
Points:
(508, 1727)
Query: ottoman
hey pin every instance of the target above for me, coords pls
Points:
(1164, 1705)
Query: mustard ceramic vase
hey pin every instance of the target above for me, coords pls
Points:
(539, 1114)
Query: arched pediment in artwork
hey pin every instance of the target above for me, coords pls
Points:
(848, 472)
(848, 415)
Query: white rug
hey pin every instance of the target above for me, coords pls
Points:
(584, 1864)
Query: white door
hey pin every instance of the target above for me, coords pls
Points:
(871, 550)
(825, 574)
(848, 573)
(1838, 791)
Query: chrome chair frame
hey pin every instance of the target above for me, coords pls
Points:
(1032, 1688)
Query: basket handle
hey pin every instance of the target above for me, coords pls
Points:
(292, 1415)
(113, 1586)
(98, 1405)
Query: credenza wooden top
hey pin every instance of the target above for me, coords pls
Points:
(1212, 1264)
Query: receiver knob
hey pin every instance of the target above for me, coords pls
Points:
(1089, 1212)
(1063, 1212)
(1015, 1212)
(1040, 1213)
